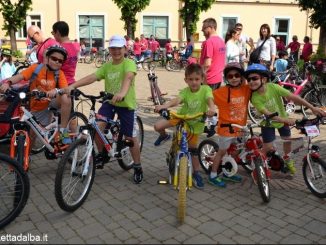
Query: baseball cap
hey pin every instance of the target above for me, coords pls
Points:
(117, 41)
(6, 52)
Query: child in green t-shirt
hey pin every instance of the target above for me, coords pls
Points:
(267, 98)
(195, 98)
(119, 75)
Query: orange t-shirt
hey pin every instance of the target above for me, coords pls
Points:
(234, 111)
(44, 81)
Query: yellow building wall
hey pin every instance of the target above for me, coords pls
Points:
(250, 13)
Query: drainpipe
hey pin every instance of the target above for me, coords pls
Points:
(180, 31)
(58, 10)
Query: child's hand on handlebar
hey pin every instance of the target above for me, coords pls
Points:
(67, 90)
(159, 107)
(210, 112)
(289, 121)
(4, 87)
(318, 111)
(52, 93)
(117, 98)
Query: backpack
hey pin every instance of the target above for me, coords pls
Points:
(254, 56)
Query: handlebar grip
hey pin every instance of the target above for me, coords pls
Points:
(275, 114)
(165, 113)
(106, 96)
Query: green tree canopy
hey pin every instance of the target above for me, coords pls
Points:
(129, 9)
(14, 16)
(317, 16)
(190, 13)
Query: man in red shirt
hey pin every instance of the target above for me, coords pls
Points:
(294, 46)
(154, 46)
(307, 49)
(143, 45)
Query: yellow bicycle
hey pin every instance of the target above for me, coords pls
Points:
(179, 160)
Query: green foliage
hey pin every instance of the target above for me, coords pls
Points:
(14, 14)
(18, 54)
(129, 9)
(320, 54)
(318, 14)
(191, 11)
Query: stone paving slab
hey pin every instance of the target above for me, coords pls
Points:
(118, 211)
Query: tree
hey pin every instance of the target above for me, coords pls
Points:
(190, 13)
(317, 16)
(14, 16)
(129, 9)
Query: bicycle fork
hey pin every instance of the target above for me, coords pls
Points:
(177, 168)
(20, 155)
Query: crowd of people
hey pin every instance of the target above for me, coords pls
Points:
(224, 81)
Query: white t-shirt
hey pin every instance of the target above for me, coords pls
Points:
(268, 49)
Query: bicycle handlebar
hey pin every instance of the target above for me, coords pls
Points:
(103, 95)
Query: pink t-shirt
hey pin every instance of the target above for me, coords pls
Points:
(42, 47)
(168, 48)
(69, 66)
(143, 44)
(154, 45)
(214, 48)
(137, 49)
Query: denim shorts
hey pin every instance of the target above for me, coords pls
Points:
(268, 133)
(127, 118)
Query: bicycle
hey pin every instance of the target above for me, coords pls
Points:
(308, 89)
(76, 170)
(102, 57)
(246, 152)
(156, 94)
(178, 159)
(20, 139)
(14, 190)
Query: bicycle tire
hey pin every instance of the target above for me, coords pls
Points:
(88, 59)
(253, 113)
(82, 120)
(206, 147)
(125, 161)
(319, 168)
(99, 61)
(68, 199)
(262, 181)
(174, 65)
(12, 172)
(316, 98)
(182, 194)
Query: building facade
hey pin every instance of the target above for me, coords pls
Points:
(95, 21)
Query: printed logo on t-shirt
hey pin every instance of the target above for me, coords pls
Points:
(114, 82)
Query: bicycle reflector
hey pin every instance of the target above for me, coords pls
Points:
(22, 95)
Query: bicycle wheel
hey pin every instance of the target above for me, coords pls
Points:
(99, 61)
(14, 189)
(75, 175)
(88, 59)
(315, 97)
(76, 120)
(174, 65)
(182, 194)
(253, 113)
(262, 180)
(315, 177)
(125, 160)
(207, 149)
(156, 94)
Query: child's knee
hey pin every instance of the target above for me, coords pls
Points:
(65, 101)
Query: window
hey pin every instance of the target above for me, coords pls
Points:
(91, 30)
(228, 23)
(30, 20)
(282, 29)
(157, 26)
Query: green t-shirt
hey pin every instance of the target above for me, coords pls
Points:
(193, 103)
(114, 75)
(272, 101)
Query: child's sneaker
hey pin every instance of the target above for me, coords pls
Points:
(138, 174)
(65, 137)
(290, 165)
(233, 178)
(162, 139)
(197, 180)
(217, 181)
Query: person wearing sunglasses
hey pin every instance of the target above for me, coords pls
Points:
(41, 42)
(232, 103)
(267, 98)
(49, 78)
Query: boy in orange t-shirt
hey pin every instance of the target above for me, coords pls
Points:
(46, 81)
(232, 102)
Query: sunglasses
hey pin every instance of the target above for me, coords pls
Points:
(231, 76)
(57, 60)
(255, 78)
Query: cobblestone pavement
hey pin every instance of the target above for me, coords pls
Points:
(118, 211)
